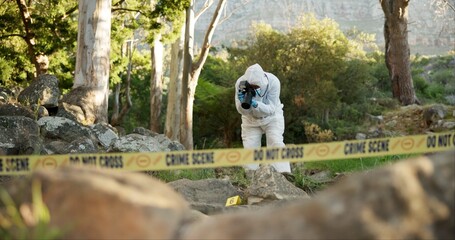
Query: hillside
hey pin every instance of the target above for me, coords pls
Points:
(427, 34)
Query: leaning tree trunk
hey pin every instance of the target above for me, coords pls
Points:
(397, 50)
(91, 80)
(186, 113)
(192, 70)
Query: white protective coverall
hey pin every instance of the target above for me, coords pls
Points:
(266, 118)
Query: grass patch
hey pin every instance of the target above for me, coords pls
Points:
(307, 184)
(191, 174)
(26, 221)
(355, 165)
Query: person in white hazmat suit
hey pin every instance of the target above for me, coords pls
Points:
(264, 116)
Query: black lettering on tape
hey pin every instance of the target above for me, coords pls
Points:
(292, 153)
(1, 165)
(89, 160)
(177, 159)
(272, 154)
(111, 161)
(17, 164)
(354, 148)
(444, 140)
(74, 160)
(203, 158)
(431, 141)
(378, 146)
(258, 155)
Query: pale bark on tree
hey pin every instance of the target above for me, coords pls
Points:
(192, 70)
(156, 85)
(172, 124)
(397, 50)
(92, 59)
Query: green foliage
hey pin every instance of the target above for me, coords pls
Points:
(6, 72)
(420, 85)
(435, 92)
(445, 77)
(167, 18)
(61, 64)
(361, 43)
(433, 78)
(354, 85)
(139, 113)
(54, 29)
(381, 74)
(216, 121)
(217, 71)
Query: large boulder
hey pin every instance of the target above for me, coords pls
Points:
(44, 91)
(19, 135)
(88, 203)
(269, 185)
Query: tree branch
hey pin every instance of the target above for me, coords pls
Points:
(209, 34)
(232, 12)
(126, 10)
(12, 35)
(450, 5)
(206, 6)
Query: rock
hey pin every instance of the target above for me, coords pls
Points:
(207, 195)
(43, 91)
(135, 143)
(105, 134)
(89, 203)
(62, 128)
(19, 135)
(269, 185)
(360, 136)
(11, 109)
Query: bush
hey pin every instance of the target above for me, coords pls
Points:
(420, 84)
(315, 134)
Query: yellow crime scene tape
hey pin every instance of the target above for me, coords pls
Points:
(145, 161)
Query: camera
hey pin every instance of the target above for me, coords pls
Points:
(249, 93)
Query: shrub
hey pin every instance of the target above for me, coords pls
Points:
(315, 134)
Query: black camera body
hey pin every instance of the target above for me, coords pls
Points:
(248, 91)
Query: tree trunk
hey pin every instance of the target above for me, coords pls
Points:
(40, 61)
(156, 86)
(117, 114)
(92, 59)
(191, 70)
(397, 50)
(186, 113)
(172, 125)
